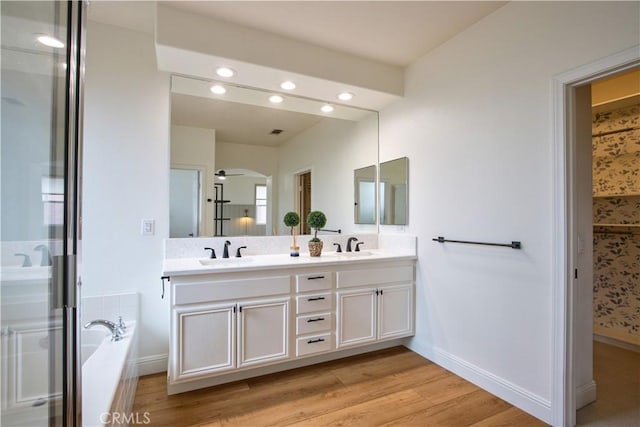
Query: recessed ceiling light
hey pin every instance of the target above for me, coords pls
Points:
(225, 72)
(327, 108)
(218, 89)
(288, 85)
(49, 41)
(345, 96)
(276, 99)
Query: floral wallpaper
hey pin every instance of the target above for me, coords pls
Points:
(616, 156)
(616, 218)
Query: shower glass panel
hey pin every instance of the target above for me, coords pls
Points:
(40, 128)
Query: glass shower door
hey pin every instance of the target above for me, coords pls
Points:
(41, 84)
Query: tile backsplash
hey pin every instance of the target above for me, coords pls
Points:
(110, 307)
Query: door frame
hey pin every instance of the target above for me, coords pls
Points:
(563, 393)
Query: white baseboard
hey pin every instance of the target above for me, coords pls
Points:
(585, 394)
(152, 364)
(515, 395)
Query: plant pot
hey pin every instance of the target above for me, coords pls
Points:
(315, 248)
(295, 250)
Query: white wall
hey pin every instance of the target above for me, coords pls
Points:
(241, 190)
(332, 150)
(126, 175)
(196, 147)
(476, 126)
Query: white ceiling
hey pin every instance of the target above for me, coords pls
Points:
(391, 32)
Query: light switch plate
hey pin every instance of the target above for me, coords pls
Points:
(148, 227)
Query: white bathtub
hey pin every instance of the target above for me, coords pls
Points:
(109, 376)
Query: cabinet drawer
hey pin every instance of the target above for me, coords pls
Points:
(313, 303)
(374, 276)
(313, 282)
(190, 293)
(315, 344)
(314, 323)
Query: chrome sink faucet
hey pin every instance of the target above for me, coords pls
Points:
(351, 240)
(116, 331)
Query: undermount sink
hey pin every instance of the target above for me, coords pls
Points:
(219, 262)
(355, 254)
(347, 254)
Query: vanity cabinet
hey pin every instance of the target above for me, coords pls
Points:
(218, 326)
(263, 332)
(234, 325)
(374, 304)
(207, 340)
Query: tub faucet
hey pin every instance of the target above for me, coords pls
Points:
(351, 240)
(116, 331)
(225, 253)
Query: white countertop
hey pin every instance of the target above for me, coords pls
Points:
(184, 266)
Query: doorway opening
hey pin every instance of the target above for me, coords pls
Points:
(610, 195)
(185, 202)
(573, 230)
(303, 199)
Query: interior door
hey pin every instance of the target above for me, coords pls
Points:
(184, 204)
(41, 60)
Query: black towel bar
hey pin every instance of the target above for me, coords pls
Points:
(512, 245)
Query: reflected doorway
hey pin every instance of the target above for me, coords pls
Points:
(185, 202)
(303, 199)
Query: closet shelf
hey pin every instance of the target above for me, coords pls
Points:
(599, 196)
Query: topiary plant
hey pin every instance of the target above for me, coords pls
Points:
(292, 219)
(316, 220)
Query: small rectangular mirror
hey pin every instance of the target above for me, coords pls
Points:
(394, 197)
(364, 181)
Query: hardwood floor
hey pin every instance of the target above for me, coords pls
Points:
(393, 387)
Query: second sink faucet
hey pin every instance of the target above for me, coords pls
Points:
(351, 239)
(225, 253)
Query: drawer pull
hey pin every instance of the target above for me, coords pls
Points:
(315, 277)
(315, 299)
(317, 319)
(315, 341)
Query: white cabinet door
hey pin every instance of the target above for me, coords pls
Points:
(206, 340)
(395, 311)
(356, 322)
(263, 332)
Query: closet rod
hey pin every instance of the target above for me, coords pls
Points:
(611, 132)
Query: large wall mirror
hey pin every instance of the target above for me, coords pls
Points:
(393, 194)
(244, 158)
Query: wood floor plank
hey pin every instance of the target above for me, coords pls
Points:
(392, 387)
(509, 418)
(371, 412)
(446, 388)
(344, 397)
(374, 369)
(461, 411)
